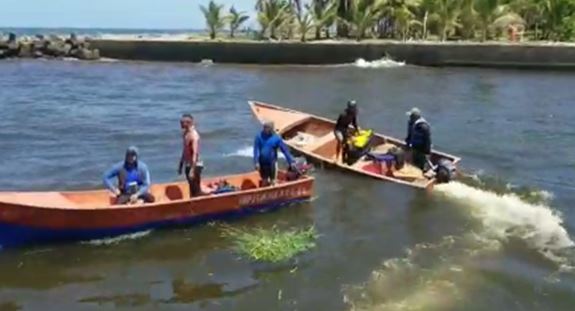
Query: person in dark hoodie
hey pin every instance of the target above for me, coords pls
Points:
(266, 147)
(341, 130)
(418, 139)
(133, 179)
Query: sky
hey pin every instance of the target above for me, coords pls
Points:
(146, 14)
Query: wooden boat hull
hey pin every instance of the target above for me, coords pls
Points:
(291, 124)
(37, 217)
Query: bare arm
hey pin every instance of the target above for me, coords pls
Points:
(195, 145)
(181, 164)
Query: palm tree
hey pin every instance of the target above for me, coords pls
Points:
(215, 21)
(404, 18)
(324, 14)
(426, 7)
(343, 12)
(272, 15)
(401, 13)
(362, 16)
(446, 14)
(558, 20)
(305, 24)
(236, 19)
(468, 19)
(530, 11)
(297, 5)
(487, 12)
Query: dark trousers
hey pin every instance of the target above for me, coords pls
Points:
(419, 159)
(342, 137)
(124, 197)
(195, 183)
(268, 173)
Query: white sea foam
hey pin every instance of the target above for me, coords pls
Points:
(247, 152)
(108, 60)
(437, 276)
(206, 62)
(507, 215)
(118, 239)
(380, 63)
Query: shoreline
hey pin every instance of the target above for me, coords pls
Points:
(195, 38)
(528, 55)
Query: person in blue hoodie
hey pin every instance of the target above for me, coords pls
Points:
(266, 147)
(133, 179)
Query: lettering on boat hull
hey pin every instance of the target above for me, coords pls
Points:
(252, 199)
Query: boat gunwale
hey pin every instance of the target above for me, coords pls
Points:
(108, 206)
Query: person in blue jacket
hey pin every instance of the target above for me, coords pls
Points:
(133, 179)
(266, 147)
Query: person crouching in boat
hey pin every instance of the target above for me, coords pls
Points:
(418, 139)
(191, 155)
(133, 179)
(341, 131)
(266, 147)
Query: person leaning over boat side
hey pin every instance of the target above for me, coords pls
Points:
(133, 179)
(341, 130)
(266, 146)
(418, 139)
(191, 155)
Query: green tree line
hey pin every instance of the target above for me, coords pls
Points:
(551, 20)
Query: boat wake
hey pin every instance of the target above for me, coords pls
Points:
(108, 60)
(507, 215)
(430, 276)
(380, 63)
(118, 239)
(247, 152)
(439, 276)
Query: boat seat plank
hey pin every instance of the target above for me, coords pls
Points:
(383, 148)
(309, 142)
(408, 172)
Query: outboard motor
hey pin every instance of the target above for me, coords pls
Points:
(444, 171)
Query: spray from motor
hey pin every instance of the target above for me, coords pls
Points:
(506, 215)
(436, 276)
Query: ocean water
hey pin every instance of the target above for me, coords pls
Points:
(499, 239)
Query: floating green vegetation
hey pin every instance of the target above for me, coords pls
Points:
(271, 245)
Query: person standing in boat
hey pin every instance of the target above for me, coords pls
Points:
(341, 131)
(266, 146)
(133, 179)
(190, 160)
(418, 139)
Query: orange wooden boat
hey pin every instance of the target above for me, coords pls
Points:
(313, 136)
(34, 217)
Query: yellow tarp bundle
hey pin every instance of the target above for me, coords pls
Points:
(361, 138)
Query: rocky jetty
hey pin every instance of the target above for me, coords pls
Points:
(42, 46)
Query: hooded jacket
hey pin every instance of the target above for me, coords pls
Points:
(419, 135)
(266, 146)
(137, 173)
